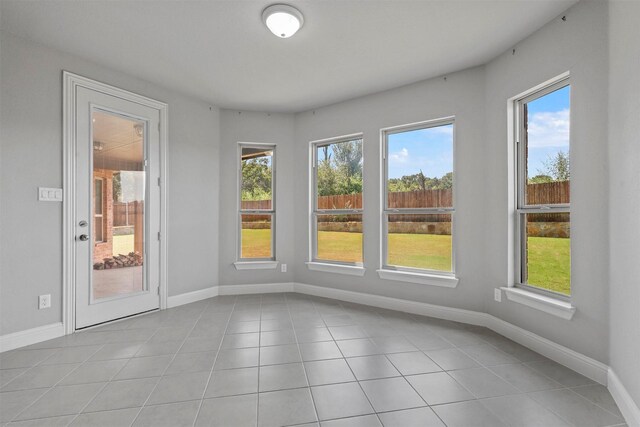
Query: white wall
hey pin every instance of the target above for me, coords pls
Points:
(577, 45)
(624, 195)
(460, 95)
(478, 98)
(243, 126)
(31, 147)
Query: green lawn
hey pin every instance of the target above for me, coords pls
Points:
(549, 258)
(550, 263)
(256, 243)
(123, 244)
(427, 251)
(340, 246)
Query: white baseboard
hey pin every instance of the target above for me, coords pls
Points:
(623, 399)
(31, 336)
(580, 363)
(189, 297)
(421, 308)
(258, 288)
(590, 368)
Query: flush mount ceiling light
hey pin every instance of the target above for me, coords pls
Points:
(282, 20)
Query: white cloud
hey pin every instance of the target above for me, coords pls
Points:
(549, 129)
(400, 156)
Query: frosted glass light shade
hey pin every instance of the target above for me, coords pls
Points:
(282, 20)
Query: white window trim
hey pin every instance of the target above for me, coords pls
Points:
(528, 294)
(258, 263)
(332, 267)
(255, 265)
(432, 279)
(406, 274)
(315, 263)
(547, 304)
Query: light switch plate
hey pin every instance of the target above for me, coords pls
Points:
(497, 295)
(283, 268)
(49, 194)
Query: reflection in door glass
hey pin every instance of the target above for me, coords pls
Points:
(118, 205)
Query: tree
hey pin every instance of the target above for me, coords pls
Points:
(256, 179)
(340, 171)
(419, 181)
(117, 186)
(540, 179)
(557, 167)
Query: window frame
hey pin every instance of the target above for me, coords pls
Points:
(313, 202)
(101, 214)
(241, 212)
(386, 211)
(521, 208)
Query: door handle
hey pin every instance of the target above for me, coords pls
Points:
(83, 237)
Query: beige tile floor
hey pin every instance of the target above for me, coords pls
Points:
(290, 359)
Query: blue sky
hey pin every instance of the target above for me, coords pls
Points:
(429, 150)
(548, 120)
(432, 149)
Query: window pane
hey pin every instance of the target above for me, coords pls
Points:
(339, 238)
(119, 196)
(339, 175)
(420, 168)
(256, 236)
(97, 198)
(420, 241)
(548, 251)
(547, 148)
(257, 176)
(99, 226)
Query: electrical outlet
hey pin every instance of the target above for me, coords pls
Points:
(497, 295)
(283, 268)
(44, 301)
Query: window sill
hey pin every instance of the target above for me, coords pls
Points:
(420, 278)
(544, 303)
(255, 265)
(352, 270)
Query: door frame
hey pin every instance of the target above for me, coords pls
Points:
(70, 84)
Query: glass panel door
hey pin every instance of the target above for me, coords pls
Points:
(119, 177)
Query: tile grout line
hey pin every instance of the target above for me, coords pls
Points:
(204, 392)
(68, 374)
(168, 365)
(357, 321)
(306, 377)
(353, 373)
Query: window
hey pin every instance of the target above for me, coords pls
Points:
(418, 207)
(257, 212)
(98, 216)
(337, 201)
(543, 183)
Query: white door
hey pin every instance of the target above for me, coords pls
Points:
(117, 230)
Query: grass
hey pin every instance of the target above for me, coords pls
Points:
(549, 263)
(256, 243)
(427, 251)
(549, 258)
(340, 246)
(123, 244)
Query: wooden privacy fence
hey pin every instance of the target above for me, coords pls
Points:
(545, 193)
(126, 213)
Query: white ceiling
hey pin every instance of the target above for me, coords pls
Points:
(219, 50)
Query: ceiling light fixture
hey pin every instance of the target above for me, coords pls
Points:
(282, 20)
